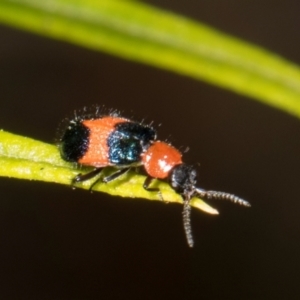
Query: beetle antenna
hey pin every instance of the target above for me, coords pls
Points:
(187, 221)
(221, 196)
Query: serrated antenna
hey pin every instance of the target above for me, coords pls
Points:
(187, 222)
(221, 196)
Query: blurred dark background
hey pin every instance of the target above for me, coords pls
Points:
(57, 243)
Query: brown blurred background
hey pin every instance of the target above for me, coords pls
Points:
(57, 243)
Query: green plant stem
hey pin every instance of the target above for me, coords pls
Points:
(25, 158)
(136, 31)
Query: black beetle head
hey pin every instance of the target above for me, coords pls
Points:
(183, 179)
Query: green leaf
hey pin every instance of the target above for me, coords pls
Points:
(25, 158)
(136, 31)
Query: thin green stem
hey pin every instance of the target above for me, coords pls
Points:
(25, 158)
(136, 31)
